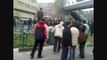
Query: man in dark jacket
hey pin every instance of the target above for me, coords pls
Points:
(66, 40)
(29, 23)
(82, 40)
(40, 14)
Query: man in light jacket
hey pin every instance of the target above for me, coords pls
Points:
(75, 35)
(74, 39)
(58, 30)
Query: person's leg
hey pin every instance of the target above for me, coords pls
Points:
(41, 43)
(93, 50)
(64, 53)
(70, 54)
(74, 52)
(34, 48)
(55, 44)
(80, 49)
(28, 26)
(59, 44)
(83, 49)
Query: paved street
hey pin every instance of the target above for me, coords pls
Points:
(49, 55)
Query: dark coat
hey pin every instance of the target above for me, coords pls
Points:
(39, 14)
(82, 35)
(66, 40)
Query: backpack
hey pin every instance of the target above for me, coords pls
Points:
(39, 35)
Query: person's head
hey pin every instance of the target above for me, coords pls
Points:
(40, 8)
(42, 20)
(29, 18)
(72, 21)
(67, 22)
(61, 23)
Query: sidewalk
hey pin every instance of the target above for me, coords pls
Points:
(48, 54)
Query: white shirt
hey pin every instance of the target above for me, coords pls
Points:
(58, 30)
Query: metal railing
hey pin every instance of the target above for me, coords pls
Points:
(23, 38)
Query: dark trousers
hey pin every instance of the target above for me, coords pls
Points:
(64, 53)
(29, 26)
(93, 51)
(57, 44)
(82, 49)
(72, 53)
(41, 43)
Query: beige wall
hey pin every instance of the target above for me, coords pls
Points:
(17, 5)
(21, 10)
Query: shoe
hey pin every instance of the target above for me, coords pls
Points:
(40, 56)
(81, 57)
(54, 52)
(31, 57)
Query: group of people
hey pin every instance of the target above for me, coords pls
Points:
(67, 34)
(30, 23)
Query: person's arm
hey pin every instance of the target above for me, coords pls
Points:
(46, 32)
(53, 30)
(35, 29)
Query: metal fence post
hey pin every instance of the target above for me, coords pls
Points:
(23, 40)
(25, 35)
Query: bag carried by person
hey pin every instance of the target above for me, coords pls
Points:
(40, 33)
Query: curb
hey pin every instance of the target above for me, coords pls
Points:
(25, 49)
(30, 48)
(90, 45)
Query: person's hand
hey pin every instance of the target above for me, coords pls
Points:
(46, 41)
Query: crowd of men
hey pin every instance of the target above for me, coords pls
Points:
(67, 34)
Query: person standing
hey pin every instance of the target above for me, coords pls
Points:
(41, 34)
(40, 14)
(75, 35)
(82, 41)
(58, 30)
(29, 23)
(66, 40)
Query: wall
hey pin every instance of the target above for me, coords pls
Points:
(24, 9)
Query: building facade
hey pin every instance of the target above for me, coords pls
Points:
(24, 9)
(48, 8)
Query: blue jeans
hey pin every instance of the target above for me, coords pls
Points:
(72, 53)
(64, 53)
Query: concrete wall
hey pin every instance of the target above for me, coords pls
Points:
(24, 9)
